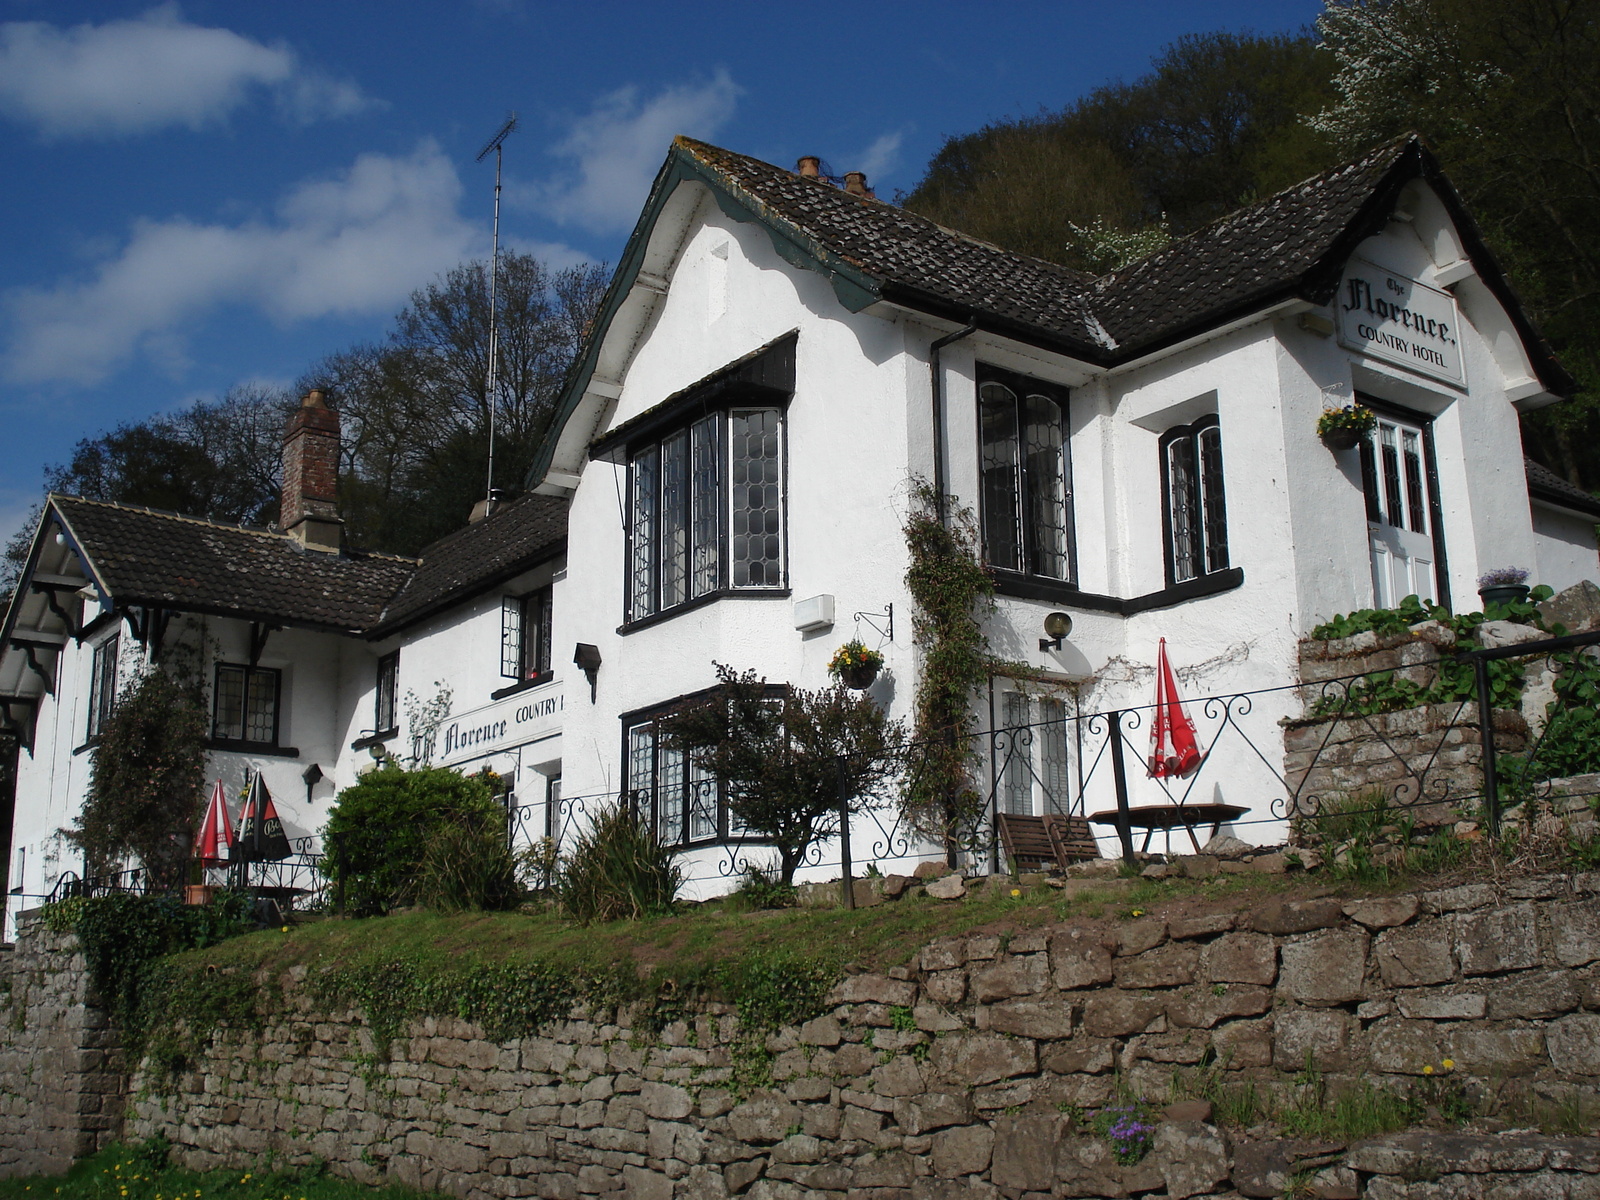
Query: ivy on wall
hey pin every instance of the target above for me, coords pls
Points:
(953, 593)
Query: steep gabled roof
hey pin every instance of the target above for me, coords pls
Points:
(1292, 245)
(523, 534)
(141, 556)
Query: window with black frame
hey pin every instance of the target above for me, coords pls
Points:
(102, 684)
(1194, 513)
(1026, 478)
(383, 706)
(525, 633)
(706, 510)
(245, 705)
(678, 798)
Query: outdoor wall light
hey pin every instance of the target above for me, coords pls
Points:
(1056, 626)
(587, 658)
(312, 776)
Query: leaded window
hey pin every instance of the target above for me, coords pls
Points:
(383, 705)
(245, 707)
(102, 685)
(675, 794)
(1026, 494)
(1031, 756)
(1195, 515)
(706, 510)
(525, 635)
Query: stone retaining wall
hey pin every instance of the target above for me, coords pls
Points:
(62, 1079)
(958, 1076)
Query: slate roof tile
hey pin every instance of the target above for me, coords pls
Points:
(151, 557)
(1545, 484)
(504, 544)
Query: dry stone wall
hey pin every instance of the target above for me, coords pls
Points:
(960, 1075)
(62, 1079)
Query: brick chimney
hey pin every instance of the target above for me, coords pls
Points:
(310, 508)
(855, 182)
(809, 167)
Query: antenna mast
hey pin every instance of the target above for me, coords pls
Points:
(495, 144)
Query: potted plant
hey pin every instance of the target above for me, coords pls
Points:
(1342, 428)
(854, 665)
(1503, 585)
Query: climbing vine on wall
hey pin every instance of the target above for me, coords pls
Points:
(147, 778)
(953, 593)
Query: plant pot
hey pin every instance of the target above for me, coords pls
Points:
(1342, 439)
(1504, 593)
(858, 678)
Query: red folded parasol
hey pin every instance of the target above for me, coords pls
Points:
(214, 844)
(1174, 748)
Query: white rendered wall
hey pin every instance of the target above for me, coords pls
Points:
(1563, 547)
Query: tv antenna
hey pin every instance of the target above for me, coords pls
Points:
(495, 144)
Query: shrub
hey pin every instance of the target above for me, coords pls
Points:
(618, 871)
(379, 831)
(758, 890)
(469, 867)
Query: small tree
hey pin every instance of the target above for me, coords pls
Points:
(380, 829)
(788, 757)
(147, 779)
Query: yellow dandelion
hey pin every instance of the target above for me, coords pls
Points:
(1449, 1064)
(1427, 1070)
(1016, 891)
(1138, 912)
(286, 929)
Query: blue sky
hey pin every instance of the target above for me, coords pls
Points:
(206, 194)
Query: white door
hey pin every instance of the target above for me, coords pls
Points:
(1399, 513)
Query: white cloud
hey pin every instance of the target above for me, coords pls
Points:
(150, 72)
(556, 255)
(879, 158)
(618, 145)
(356, 244)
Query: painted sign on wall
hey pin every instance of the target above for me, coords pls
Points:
(514, 721)
(1400, 320)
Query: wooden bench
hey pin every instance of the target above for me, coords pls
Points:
(1036, 843)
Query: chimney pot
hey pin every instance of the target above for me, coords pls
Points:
(309, 509)
(855, 182)
(809, 167)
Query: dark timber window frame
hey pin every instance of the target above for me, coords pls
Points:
(647, 771)
(1014, 503)
(102, 684)
(250, 678)
(384, 707)
(1197, 513)
(525, 637)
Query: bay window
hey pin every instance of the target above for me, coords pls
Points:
(706, 510)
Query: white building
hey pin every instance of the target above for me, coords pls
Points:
(776, 360)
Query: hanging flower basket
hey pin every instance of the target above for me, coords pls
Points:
(854, 665)
(1342, 428)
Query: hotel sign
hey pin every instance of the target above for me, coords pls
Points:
(1400, 320)
(526, 717)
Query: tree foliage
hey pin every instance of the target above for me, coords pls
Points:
(1215, 124)
(788, 760)
(413, 409)
(147, 779)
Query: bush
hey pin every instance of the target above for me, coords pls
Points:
(618, 871)
(469, 867)
(380, 830)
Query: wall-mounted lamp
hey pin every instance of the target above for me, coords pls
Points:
(1056, 626)
(587, 658)
(313, 776)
